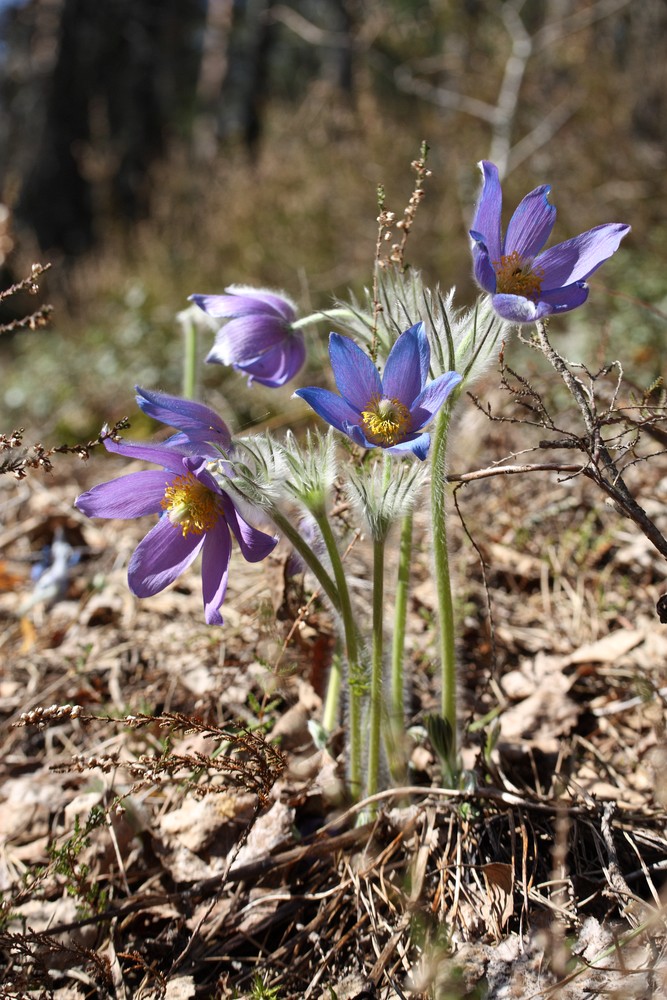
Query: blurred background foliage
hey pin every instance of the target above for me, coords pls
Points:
(150, 149)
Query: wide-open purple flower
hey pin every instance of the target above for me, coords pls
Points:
(526, 284)
(259, 338)
(388, 411)
(197, 516)
(201, 430)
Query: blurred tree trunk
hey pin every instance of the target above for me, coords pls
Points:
(95, 90)
(275, 51)
(212, 75)
(258, 78)
(122, 82)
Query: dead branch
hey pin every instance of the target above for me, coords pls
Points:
(602, 468)
(36, 456)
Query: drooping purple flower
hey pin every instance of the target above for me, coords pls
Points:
(388, 411)
(259, 338)
(197, 516)
(201, 430)
(526, 283)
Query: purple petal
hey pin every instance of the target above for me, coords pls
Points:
(564, 299)
(254, 544)
(280, 303)
(530, 226)
(355, 432)
(407, 366)
(244, 301)
(214, 571)
(575, 259)
(357, 378)
(245, 339)
(485, 275)
(227, 306)
(516, 308)
(488, 211)
(160, 454)
(330, 407)
(278, 365)
(198, 466)
(161, 557)
(418, 446)
(295, 355)
(427, 404)
(134, 495)
(200, 422)
(193, 444)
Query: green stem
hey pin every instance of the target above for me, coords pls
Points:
(379, 540)
(332, 700)
(376, 668)
(190, 359)
(353, 664)
(339, 596)
(308, 556)
(400, 617)
(320, 316)
(442, 578)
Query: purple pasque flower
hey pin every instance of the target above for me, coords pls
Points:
(259, 338)
(526, 283)
(200, 430)
(388, 411)
(197, 516)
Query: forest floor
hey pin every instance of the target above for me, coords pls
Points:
(178, 834)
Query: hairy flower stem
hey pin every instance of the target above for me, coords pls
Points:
(355, 668)
(376, 668)
(190, 358)
(400, 616)
(321, 316)
(308, 556)
(332, 699)
(612, 483)
(380, 531)
(439, 492)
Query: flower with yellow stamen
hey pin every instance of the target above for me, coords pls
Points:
(515, 276)
(388, 411)
(527, 283)
(188, 497)
(191, 505)
(385, 421)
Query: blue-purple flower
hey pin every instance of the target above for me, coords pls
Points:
(197, 515)
(200, 429)
(526, 284)
(259, 338)
(388, 411)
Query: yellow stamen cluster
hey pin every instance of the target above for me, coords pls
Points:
(515, 276)
(191, 505)
(385, 421)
